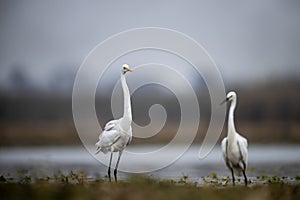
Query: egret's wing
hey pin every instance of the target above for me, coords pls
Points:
(243, 147)
(130, 138)
(224, 147)
(110, 125)
(107, 139)
(109, 136)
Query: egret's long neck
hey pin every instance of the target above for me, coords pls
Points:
(231, 126)
(127, 116)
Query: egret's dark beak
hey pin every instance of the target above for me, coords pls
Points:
(225, 100)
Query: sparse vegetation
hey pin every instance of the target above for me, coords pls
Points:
(77, 185)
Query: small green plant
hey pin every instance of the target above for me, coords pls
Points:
(24, 178)
(79, 177)
(2, 179)
(60, 178)
(64, 179)
(275, 179)
(264, 177)
(213, 179)
(225, 180)
(71, 177)
(183, 179)
(214, 176)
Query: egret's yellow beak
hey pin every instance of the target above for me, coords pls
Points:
(126, 68)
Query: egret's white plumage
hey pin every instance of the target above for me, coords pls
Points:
(117, 134)
(234, 146)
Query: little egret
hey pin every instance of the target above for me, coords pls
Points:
(234, 146)
(117, 134)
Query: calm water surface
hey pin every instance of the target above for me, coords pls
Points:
(283, 160)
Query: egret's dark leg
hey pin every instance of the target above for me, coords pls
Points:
(111, 155)
(117, 165)
(233, 179)
(245, 178)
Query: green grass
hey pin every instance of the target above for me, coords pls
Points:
(76, 186)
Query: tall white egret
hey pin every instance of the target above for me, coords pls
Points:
(117, 134)
(234, 146)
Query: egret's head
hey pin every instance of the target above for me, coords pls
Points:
(126, 69)
(230, 96)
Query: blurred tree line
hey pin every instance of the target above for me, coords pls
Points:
(270, 111)
(271, 101)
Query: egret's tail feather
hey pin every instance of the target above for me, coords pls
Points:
(98, 150)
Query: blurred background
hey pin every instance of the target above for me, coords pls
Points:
(255, 45)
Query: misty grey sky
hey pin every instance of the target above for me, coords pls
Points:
(248, 40)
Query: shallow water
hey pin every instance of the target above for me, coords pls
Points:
(283, 160)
